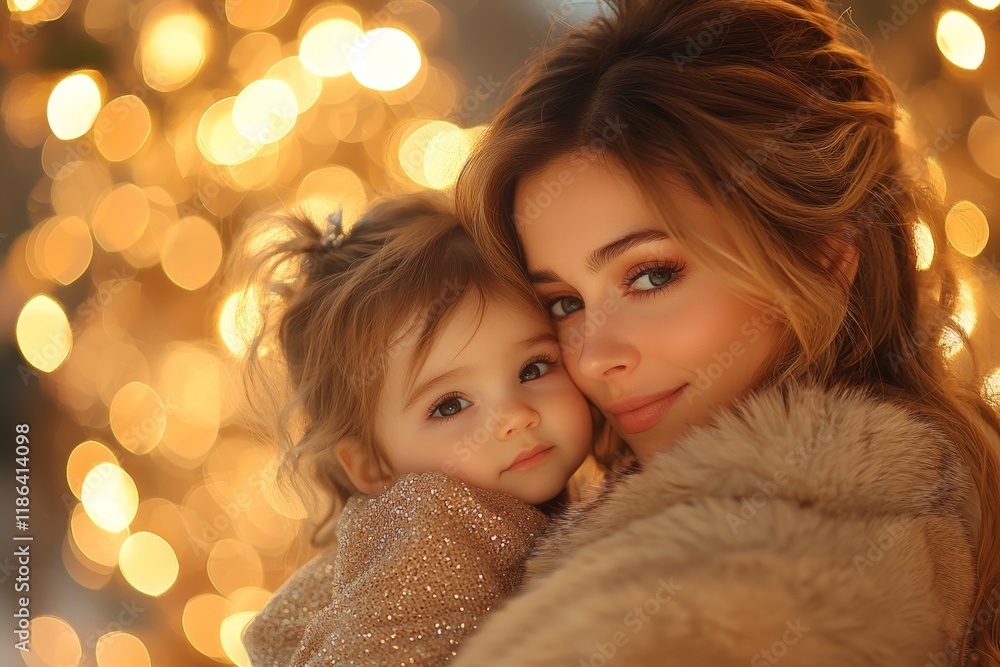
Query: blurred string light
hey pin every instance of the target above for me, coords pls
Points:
(148, 563)
(121, 649)
(173, 48)
(961, 39)
(142, 178)
(967, 228)
(73, 105)
(43, 333)
(924, 240)
(109, 497)
(985, 4)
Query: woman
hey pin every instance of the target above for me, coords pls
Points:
(712, 200)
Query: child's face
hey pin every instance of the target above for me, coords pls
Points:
(485, 397)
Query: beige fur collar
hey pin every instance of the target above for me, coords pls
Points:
(839, 451)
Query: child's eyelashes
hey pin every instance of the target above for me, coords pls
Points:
(449, 406)
(537, 367)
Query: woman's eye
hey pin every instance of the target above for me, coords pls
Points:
(533, 371)
(564, 306)
(450, 407)
(651, 279)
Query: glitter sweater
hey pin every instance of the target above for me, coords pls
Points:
(417, 569)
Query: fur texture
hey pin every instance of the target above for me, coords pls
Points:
(805, 526)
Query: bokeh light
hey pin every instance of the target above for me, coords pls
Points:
(924, 240)
(967, 228)
(66, 250)
(173, 49)
(121, 649)
(192, 252)
(43, 333)
(73, 106)
(146, 137)
(265, 111)
(109, 497)
(53, 642)
(984, 144)
(120, 217)
(83, 459)
(148, 563)
(961, 40)
(122, 127)
(256, 14)
(325, 48)
(137, 417)
(384, 59)
(202, 620)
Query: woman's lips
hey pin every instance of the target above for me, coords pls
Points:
(639, 413)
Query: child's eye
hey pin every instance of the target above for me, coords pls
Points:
(563, 306)
(536, 368)
(449, 407)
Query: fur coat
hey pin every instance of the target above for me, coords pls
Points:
(803, 526)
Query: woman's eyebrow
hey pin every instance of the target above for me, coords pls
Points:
(606, 253)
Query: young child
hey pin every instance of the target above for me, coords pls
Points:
(434, 405)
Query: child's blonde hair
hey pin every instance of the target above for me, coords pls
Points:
(334, 309)
(766, 111)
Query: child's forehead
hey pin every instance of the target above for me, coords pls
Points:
(473, 326)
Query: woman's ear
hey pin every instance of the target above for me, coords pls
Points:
(362, 467)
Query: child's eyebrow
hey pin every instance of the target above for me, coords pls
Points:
(545, 337)
(451, 375)
(425, 387)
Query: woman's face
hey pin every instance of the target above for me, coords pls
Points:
(652, 338)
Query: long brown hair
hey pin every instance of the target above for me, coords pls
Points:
(772, 112)
(332, 308)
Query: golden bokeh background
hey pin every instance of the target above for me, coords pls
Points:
(139, 136)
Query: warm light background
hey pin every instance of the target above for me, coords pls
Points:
(138, 136)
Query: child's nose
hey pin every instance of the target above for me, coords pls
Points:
(513, 418)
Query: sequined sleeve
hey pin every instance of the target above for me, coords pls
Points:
(275, 633)
(419, 567)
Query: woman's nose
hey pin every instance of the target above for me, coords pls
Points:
(513, 418)
(599, 348)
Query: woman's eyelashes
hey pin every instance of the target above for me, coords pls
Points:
(642, 280)
(653, 276)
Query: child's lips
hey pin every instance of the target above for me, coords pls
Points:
(530, 457)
